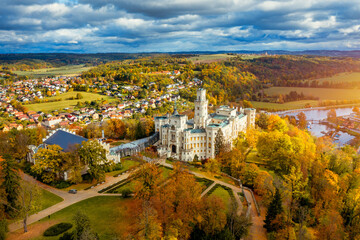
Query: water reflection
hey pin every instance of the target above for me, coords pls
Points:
(320, 130)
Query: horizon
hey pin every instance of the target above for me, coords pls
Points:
(120, 26)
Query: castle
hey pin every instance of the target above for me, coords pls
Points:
(182, 139)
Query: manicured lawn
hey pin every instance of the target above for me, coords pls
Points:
(106, 213)
(48, 199)
(50, 106)
(127, 164)
(69, 70)
(131, 184)
(223, 194)
(321, 93)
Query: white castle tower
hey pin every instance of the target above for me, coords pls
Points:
(201, 109)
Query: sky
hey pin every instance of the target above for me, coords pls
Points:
(91, 26)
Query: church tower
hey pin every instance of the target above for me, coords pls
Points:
(201, 109)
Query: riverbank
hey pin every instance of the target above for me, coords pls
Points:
(284, 112)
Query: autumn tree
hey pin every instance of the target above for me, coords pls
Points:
(83, 227)
(301, 120)
(331, 115)
(93, 155)
(213, 216)
(10, 182)
(28, 201)
(49, 163)
(115, 128)
(262, 121)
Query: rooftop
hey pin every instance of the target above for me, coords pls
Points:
(64, 139)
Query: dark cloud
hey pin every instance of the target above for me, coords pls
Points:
(177, 25)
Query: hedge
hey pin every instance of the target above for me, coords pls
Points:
(57, 229)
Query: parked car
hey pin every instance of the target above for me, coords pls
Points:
(73, 191)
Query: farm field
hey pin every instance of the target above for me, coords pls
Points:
(50, 106)
(284, 106)
(69, 70)
(106, 214)
(342, 77)
(211, 58)
(321, 93)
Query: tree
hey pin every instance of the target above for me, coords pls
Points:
(213, 216)
(331, 115)
(3, 229)
(219, 142)
(48, 163)
(28, 201)
(301, 120)
(356, 110)
(93, 155)
(83, 227)
(212, 166)
(262, 121)
(275, 208)
(10, 182)
(79, 96)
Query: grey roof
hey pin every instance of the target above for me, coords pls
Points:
(130, 145)
(64, 139)
(220, 117)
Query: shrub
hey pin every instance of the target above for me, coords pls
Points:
(67, 236)
(57, 229)
(126, 193)
(62, 184)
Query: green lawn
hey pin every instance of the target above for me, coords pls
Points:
(131, 184)
(321, 93)
(69, 70)
(127, 164)
(223, 194)
(50, 106)
(106, 213)
(48, 199)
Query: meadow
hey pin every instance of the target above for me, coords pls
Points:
(68, 70)
(284, 106)
(51, 106)
(342, 77)
(210, 58)
(321, 93)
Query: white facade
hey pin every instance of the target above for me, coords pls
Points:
(182, 139)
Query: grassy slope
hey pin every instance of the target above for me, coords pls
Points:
(48, 199)
(126, 165)
(50, 106)
(69, 70)
(223, 194)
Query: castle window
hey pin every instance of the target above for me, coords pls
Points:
(209, 145)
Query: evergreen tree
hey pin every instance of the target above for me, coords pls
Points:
(275, 208)
(10, 183)
(219, 142)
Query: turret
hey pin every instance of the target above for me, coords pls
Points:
(201, 109)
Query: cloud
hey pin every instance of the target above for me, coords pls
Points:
(177, 25)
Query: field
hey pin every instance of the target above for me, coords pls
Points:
(321, 93)
(342, 77)
(69, 70)
(206, 58)
(284, 106)
(106, 213)
(50, 106)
